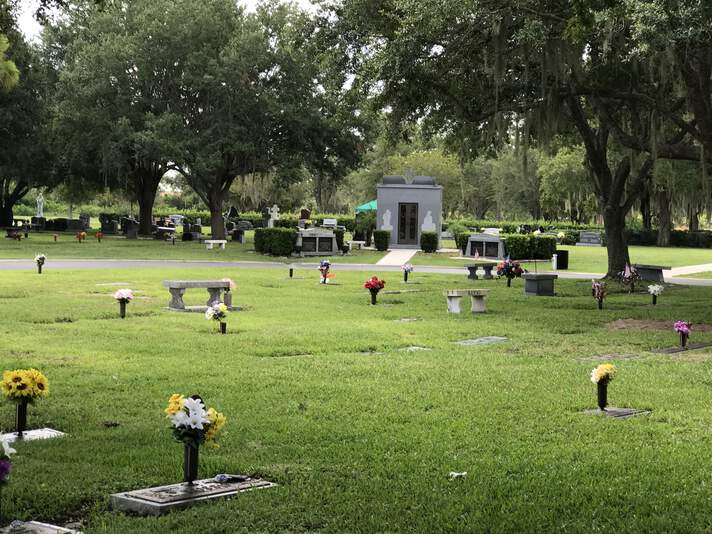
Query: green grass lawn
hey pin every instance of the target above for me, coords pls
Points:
(360, 434)
(115, 247)
(595, 259)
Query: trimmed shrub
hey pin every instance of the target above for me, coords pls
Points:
(381, 239)
(517, 246)
(275, 241)
(260, 240)
(530, 246)
(429, 242)
(339, 234)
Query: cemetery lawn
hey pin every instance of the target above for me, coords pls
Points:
(323, 397)
(594, 259)
(67, 247)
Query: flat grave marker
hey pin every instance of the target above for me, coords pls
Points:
(32, 435)
(487, 340)
(35, 527)
(162, 499)
(618, 413)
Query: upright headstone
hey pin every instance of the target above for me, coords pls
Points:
(273, 216)
(589, 239)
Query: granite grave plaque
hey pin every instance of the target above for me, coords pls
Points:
(162, 499)
(32, 435)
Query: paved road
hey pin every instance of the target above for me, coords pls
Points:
(19, 265)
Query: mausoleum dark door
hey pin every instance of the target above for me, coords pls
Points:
(408, 224)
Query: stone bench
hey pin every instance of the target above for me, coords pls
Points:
(210, 243)
(487, 267)
(177, 289)
(477, 297)
(356, 244)
(651, 273)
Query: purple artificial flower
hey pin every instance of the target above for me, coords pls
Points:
(682, 326)
(5, 467)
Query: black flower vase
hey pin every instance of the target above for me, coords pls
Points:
(223, 327)
(374, 292)
(405, 276)
(291, 272)
(122, 309)
(600, 304)
(683, 340)
(655, 300)
(602, 394)
(39, 268)
(190, 463)
(21, 416)
(509, 282)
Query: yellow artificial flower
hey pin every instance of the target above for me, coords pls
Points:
(40, 384)
(217, 422)
(22, 383)
(605, 371)
(175, 404)
(222, 307)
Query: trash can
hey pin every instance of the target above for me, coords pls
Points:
(562, 259)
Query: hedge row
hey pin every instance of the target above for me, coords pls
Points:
(429, 242)
(510, 227)
(678, 238)
(530, 246)
(275, 241)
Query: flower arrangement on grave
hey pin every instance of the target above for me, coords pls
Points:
(324, 268)
(655, 290)
(123, 296)
(40, 260)
(601, 376)
(683, 328)
(560, 236)
(99, 236)
(218, 312)
(193, 425)
(598, 292)
(407, 269)
(374, 285)
(509, 269)
(23, 386)
(628, 277)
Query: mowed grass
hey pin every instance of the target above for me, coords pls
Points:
(595, 259)
(118, 247)
(360, 434)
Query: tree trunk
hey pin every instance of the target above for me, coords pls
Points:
(664, 219)
(217, 222)
(6, 215)
(693, 217)
(616, 242)
(147, 185)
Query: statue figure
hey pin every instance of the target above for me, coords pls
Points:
(428, 224)
(273, 216)
(40, 205)
(387, 221)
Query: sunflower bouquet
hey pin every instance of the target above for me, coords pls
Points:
(193, 425)
(24, 385)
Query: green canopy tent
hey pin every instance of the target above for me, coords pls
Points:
(368, 206)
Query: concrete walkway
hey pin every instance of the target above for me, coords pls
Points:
(397, 257)
(29, 265)
(690, 269)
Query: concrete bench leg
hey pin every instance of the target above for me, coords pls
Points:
(176, 302)
(209, 246)
(453, 304)
(478, 304)
(214, 298)
(222, 246)
(488, 272)
(473, 273)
